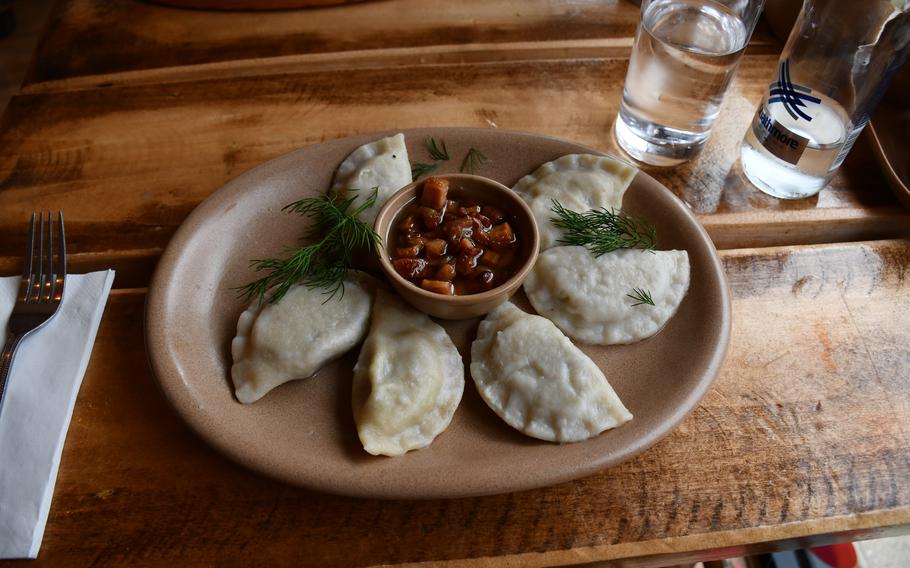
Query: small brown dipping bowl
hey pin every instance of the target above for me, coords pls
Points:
(484, 191)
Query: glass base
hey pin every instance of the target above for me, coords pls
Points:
(654, 144)
(776, 178)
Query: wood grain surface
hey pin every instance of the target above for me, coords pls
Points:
(150, 153)
(134, 113)
(97, 37)
(804, 434)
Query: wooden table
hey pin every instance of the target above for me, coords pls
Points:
(134, 113)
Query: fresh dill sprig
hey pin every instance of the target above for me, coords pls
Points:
(420, 169)
(337, 231)
(641, 296)
(602, 231)
(438, 151)
(473, 160)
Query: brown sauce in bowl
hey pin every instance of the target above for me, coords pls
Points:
(451, 245)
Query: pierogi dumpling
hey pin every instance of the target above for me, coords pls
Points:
(294, 338)
(382, 164)
(587, 297)
(535, 379)
(408, 380)
(580, 182)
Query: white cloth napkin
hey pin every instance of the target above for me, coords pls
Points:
(41, 392)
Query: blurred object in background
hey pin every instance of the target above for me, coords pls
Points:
(7, 18)
(889, 552)
(890, 131)
(21, 23)
(249, 4)
(780, 15)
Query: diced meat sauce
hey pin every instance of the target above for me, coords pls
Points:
(453, 246)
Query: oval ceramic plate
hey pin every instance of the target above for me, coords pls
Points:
(303, 432)
(890, 129)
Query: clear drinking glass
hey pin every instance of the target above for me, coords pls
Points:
(685, 53)
(834, 69)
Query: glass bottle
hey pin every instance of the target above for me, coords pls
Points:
(832, 72)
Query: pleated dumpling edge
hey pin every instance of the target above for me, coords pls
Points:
(534, 378)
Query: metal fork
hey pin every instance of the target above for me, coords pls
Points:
(41, 289)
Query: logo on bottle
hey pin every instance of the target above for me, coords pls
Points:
(794, 97)
(774, 136)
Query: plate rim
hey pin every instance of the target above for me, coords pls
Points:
(156, 352)
(900, 189)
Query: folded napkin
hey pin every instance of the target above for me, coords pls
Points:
(41, 392)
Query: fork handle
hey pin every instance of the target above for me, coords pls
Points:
(6, 362)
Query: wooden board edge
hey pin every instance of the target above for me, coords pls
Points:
(708, 546)
(814, 227)
(133, 267)
(452, 54)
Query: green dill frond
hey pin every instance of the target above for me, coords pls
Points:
(337, 230)
(602, 231)
(641, 296)
(437, 150)
(419, 169)
(473, 160)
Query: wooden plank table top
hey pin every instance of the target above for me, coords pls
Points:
(134, 113)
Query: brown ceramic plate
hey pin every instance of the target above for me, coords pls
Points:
(890, 130)
(303, 432)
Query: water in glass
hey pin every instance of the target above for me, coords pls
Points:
(685, 53)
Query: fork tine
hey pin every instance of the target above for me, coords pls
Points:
(30, 250)
(61, 264)
(39, 293)
(37, 266)
(48, 293)
(25, 290)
